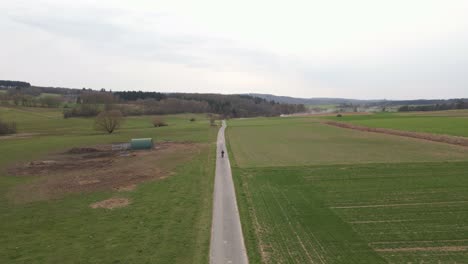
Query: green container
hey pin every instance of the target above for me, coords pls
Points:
(141, 143)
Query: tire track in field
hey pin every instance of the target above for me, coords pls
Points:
(287, 251)
(431, 249)
(259, 230)
(293, 230)
(396, 205)
(300, 240)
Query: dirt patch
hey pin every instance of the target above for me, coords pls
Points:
(111, 203)
(126, 188)
(94, 169)
(412, 249)
(91, 181)
(63, 164)
(459, 141)
(82, 150)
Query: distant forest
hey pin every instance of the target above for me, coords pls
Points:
(14, 84)
(88, 102)
(226, 105)
(135, 95)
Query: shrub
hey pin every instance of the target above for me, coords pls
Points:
(7, 128)
(84, 110)
(338, 115)
(158, 122)
(129, 109)
(192, 119)
(50, 101)
(212, 121)
(108, 121)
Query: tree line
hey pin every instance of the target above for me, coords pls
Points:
(88, 102)
(30, 99)
(460, 104)
(136, 95)
(241, 105)
(6, 83)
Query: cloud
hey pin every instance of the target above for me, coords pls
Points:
(98, 30)
(283, 53)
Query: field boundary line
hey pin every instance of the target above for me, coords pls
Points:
(394, 205)
(36, 113)
(417, 241)
(413, 249)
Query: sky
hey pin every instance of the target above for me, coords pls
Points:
(365, 49)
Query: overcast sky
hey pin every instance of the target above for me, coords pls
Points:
(395, 49)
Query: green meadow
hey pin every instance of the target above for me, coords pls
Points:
(453, 123)
(164, 215)
(302, 141)
(312, 193)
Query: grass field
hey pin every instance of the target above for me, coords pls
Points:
(303, 141)
(309, 193)
(49, 94)
(443, 122)
(164, 216)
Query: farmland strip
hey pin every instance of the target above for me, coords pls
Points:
(459, 141)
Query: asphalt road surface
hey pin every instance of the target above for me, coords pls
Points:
(227, 241)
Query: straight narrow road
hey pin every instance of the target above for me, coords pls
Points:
(227, 241)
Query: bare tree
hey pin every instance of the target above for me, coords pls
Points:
(93, 97)
(108, 121)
